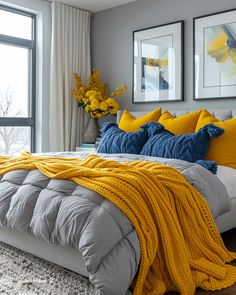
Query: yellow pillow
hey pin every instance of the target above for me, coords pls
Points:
(129, 123)
(221, 149)
(181, 125)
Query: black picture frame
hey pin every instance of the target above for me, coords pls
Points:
(181, 57)
(195, 20)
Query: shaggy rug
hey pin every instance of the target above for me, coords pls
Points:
(24, 274)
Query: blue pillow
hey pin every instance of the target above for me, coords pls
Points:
(187, 147)
(115, 141)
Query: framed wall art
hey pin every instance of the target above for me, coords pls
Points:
(158, 63)
(214, 56)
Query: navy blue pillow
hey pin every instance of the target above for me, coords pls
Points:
(115, 141)
(187, 147)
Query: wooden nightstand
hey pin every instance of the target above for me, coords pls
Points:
(86, 148)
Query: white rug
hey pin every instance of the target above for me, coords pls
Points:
(24, 274)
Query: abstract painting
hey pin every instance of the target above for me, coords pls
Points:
(158, 63)
(215, 56)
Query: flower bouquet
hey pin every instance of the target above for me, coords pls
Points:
(94, 97)
(96, 101)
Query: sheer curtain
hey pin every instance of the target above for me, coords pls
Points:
(70, 52)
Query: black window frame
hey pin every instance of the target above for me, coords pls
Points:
(31, 45)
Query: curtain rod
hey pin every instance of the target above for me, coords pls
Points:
(50, 2)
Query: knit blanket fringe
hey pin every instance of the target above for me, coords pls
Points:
(181, 248)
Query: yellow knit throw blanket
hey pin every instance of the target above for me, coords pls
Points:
(181, 248)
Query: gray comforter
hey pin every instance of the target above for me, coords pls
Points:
(65, 213)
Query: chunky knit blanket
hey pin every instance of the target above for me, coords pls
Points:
(181, 248)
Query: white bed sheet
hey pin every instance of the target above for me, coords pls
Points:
(228, 176)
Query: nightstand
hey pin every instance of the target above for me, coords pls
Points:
(86, 148)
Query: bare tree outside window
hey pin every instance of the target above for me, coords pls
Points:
(13, 139)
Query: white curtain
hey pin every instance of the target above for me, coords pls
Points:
(70, 52)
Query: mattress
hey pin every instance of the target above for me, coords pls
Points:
(227, 220)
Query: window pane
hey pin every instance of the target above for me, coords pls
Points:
(14, 140)
(14, 86)
(15, 25)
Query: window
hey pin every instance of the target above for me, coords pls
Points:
(17, 80)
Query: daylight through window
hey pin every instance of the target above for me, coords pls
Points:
(17, 76)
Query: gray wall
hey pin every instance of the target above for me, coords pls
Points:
(112, 43)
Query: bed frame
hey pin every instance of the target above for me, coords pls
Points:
(71, 258)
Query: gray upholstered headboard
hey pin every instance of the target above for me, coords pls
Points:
(219, 114)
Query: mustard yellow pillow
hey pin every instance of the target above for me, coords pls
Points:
(129, 123)
(222, 149)
(181, 125)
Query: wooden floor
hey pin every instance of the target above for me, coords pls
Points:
(230, 242)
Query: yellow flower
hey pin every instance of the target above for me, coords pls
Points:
(90, 92)
(103, 106)
(99, 95)
(114, 108)
(92, 97)
(98, 115)
(124, 87)
(110, 101)
(77, 80)
(119, 93)
(94, 104)
(82, 89)
(85, 100)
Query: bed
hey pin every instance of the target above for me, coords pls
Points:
(73, 259)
